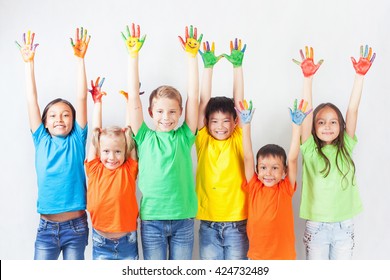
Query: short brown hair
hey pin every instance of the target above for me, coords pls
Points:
(167, 92)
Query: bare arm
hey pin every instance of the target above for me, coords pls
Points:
(238, 85)
(80, 46)
(27, 50)
(361, 67)
(307, 95)
(192, 104)
(96, 123)
(293, 154)
(205, 95)
(34, 113)
(249, 161)
(134, 43)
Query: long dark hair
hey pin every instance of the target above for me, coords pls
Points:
(55, 101)
(342, 152)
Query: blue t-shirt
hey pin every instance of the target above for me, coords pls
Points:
(59, 163)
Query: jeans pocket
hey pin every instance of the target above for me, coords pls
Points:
(311, 230)
(98, 240)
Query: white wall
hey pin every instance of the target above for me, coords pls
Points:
(274, 31)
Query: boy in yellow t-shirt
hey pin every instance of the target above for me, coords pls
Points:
(222, 204)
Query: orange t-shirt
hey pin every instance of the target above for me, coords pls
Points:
(111, 196)
(270, 226)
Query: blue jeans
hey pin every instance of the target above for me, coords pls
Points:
(170, 239)
(329, 241)
(124, 248)
(223, 240)
(70, 237)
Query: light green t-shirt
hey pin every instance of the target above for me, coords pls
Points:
(165, 177)
(331, 198)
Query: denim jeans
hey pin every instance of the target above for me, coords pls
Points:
(170, 239)
(223, 240)
(124, 248)
(70, 237)
(329, 241)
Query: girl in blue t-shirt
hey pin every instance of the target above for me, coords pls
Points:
(330, 197)
(59, 138)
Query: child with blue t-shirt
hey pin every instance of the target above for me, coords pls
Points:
(330, 197)
(59, 138)
(168, 203)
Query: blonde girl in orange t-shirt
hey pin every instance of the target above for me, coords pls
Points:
(112, 170)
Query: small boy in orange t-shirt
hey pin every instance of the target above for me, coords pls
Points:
(270, 190)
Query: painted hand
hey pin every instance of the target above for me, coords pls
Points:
(208, 56)
(236, 53)
(307, 64)
(245, 112)
(365, 61)
(126, 95)
(191, 45)
(96, 92)
(28, 48)
(80, 45)
(132, 40)
(299, 114)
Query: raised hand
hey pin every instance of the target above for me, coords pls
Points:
(208, 56)
(28, 48)
(245, 112)
(299, 114)
(96, 92)
(307, 64)
(191, 44)
(236, 53)
(80, 45)
(133, 41)
(365, 61)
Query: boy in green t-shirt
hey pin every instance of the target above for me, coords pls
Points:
(168, 203)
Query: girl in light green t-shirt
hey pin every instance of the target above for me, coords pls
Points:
(330, 197)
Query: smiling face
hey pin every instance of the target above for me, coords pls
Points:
(112, 151)
(192, 43)
(327, 125)
(165, 113)
(221, 125)
(59, 119)
(270, 170)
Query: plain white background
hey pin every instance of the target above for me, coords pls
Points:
(274, 31)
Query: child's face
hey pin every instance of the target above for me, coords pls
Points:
(270, 170)
(165, 113)
(221, 125)
(327, 125)
(59, 120)
(112, 151)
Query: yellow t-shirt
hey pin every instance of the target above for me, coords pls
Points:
(219, 177)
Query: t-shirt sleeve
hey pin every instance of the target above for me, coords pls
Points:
(91, 167)
(140, 136)
(81, 132)
(188, 134)
(38, 134)
(350, 142)
(308, 144)
(247, 186)
(290, 189)
(132, 167)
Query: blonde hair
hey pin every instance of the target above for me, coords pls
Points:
(116, 131)
(165, 92)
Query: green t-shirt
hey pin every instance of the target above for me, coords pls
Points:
(165, 176)
(331, 198)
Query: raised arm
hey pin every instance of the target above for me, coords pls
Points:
(27, 49)
(298, 115)
(80, 46)
(133, 43)
(308, 69)
(209, 60)
(361, 67)
(191, 46)
(97, 95)
(245, 114)
(236, 58)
